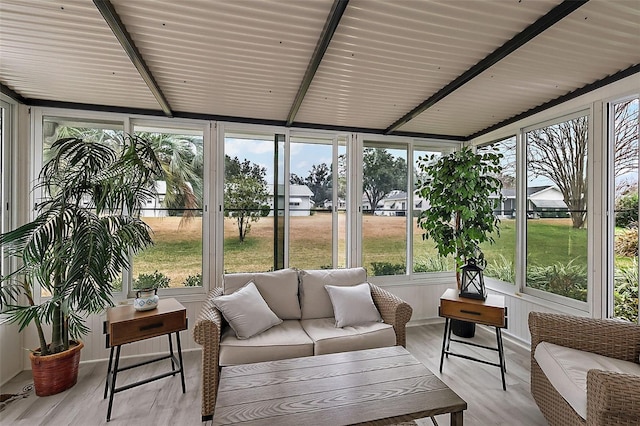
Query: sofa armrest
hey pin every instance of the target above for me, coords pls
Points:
(608, 337)
(393, 310)
(206, 332)
(612, 398)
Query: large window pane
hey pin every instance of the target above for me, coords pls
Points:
(557, 208)
(310, 203)
(625, 279)
(501, 255)
(103, 132)
(249, 203)
(425, 254)
(385, 208)
(175, 215)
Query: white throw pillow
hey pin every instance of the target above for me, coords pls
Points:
(246, 311)
(353, 305)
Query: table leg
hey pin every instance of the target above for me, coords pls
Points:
(173, 367)
(444, 342)
(180, 359)
(503, 365)
(106, 382)
(113, 382)
(456, 418)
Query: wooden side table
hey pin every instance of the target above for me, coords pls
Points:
(491, 312)
(126, 325)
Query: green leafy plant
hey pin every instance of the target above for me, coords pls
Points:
(460, 215)
(431, 264)
(627, 210)
(502, 269)
(568, 279)
(154, 280)
(625, 292)
(193, 281)
(388, 268)
(81, 237)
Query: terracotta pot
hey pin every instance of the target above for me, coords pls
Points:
(55, 373)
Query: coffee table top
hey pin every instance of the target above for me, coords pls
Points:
(386, 386)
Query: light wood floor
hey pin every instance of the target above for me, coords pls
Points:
(162, 402)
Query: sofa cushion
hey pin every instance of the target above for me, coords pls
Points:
(353, 305)
(329, 339)
(566, 369)
(246, 311)
(286, 340)
(314, 298)
(278, 288)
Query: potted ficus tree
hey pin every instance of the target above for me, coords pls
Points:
(462, 191)
(85, 227)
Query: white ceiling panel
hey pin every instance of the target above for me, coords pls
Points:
(387, 57)
(236, 58)
(597, 40)
(64, 51)
(246, 59)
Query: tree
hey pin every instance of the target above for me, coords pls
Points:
(382, 174)
(245, 193)
(182, 161)
(294, 179)
(319, 182)
(559, 153)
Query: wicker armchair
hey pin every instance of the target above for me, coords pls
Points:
(612, 398)
(208, 330)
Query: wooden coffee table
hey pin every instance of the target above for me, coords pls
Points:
(378, 386)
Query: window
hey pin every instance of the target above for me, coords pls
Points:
(425, 254)
(557, 208)
(501, 255)
(384, 201)
(623, 294)
(252, 203)
(175, 214)
(98, 131)
(316, 239)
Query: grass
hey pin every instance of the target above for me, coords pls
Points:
(178, 247)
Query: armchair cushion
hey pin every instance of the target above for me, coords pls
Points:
(567, 369)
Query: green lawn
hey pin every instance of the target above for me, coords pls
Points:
(178, 253)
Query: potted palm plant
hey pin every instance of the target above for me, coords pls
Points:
(77, 245)
(459, 188)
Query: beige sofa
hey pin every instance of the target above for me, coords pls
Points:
(308, 328)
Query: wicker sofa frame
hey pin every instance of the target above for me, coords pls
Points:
(612, 398)
(208, 330)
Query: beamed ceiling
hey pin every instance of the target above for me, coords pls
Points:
(451, 69)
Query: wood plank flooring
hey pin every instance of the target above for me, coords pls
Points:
(162, 402)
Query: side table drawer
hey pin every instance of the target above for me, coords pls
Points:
(144, 328)
(477, 313)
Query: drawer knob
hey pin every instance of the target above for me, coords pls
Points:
(464, 311)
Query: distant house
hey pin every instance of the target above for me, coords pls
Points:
(546, 200)
(393, 204)
(328, 204)
(154, 206)
(300, 202)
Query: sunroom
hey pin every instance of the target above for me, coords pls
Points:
(304, 94)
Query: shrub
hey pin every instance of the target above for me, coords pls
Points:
(626, 243)
(154, 280)
(568, 280)
(627, 210)
(432, 264)
(502, 269)
(193, 281)
(388, 268)
(625, 292)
